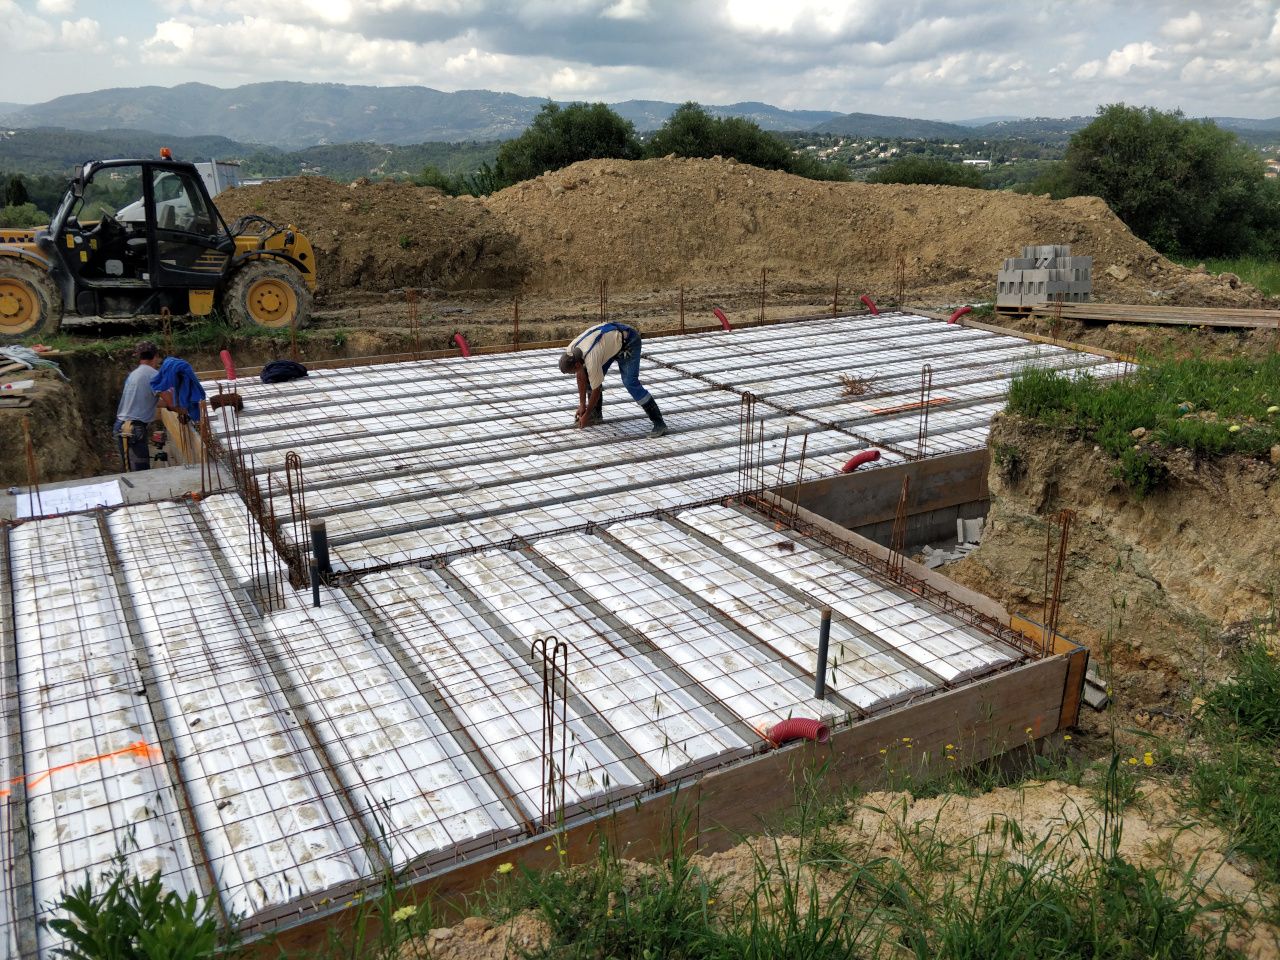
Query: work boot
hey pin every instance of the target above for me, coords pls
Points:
(597, 415)
(659, 427)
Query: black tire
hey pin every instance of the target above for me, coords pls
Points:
(30, 302)
(268, 295)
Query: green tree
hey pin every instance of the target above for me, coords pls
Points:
(693, 132)
(15, 192)
(560, 136)
(928, 170)
(1185, 186)
(25, 215)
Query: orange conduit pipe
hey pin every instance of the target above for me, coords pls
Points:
(724, 321)
(228, 365)
(858, 459)
(871, 304)
(798, 728)
(959, 313)
(461, 341)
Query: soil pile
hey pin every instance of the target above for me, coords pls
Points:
(665, 222)
(384, 236)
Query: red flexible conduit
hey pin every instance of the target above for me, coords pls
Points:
(858, 459)
(461, 341)
(959, 313)
(798, 728)
(227, 365)
(871, 304)
(724, 321)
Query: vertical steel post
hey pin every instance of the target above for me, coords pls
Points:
(315, 584)
(824, 638)
(320, 547)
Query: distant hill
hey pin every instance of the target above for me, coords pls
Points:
(51, 151)
(1245, 125)
(983, 121)
(288, 114)
(8, 108)
(871, 125)
(1033, 127)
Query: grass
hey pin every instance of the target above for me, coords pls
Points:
(207, 333)
(1262, 273)
(1235, 778)
(1210, 407)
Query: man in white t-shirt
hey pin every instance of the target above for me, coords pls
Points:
(589, 357)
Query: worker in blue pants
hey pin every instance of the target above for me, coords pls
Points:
(589, 357)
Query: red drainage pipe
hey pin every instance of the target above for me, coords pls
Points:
(724, 321)
(959, 313)
(798, 728)
(858, 459)
(227, 365)
(871, 304)
(461, 341)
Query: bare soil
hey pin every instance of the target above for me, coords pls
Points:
(58, 436)
(1160, 588)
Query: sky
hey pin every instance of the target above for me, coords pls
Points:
(944, 59)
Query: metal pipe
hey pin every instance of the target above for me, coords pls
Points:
(315, 584)
(824, 638)
(320, 546)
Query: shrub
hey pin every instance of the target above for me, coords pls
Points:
(928, 170)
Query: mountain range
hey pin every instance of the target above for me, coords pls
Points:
(291, 114)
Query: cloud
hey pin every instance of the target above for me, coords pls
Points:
(1119, 63)
(1183, 28)
(56, 8)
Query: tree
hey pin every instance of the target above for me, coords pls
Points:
(560, 136)
(692, 132)
(927, 170)
(15, 192)
(1185, 186)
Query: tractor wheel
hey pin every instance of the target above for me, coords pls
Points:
(30, 302)
(269, 295)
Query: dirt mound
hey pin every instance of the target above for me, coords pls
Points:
(382, 236)
(663, 222)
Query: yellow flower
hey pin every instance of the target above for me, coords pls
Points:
(547, 847)
(609, 912)
(506, 867)
(1133, 761)
(404, 913)
(951, 756)
(950, 746)
(906, 739)
(711, 902)
(883, 751)
(1066, 736)
(562, 853)
(1148, 759)
(1028, 730)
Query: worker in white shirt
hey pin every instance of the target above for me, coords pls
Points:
(589, 357)
(137, 410)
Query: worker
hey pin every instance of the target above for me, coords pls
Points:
(137, 409)
(589, 357)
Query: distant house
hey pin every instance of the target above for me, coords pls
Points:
(977, 163)
(1273, 168)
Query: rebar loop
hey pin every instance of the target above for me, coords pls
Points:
(295, 486)
(746, 435)
(926, 400)
(1061, 522)
(795, 493)
(900, 282)
(764, 277)
(554, 656)
(898, 540)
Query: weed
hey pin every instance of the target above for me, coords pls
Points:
(1262, 273)
(851, 386)
(1141, 472)
(1010, 461)
(124, 917)
(405, 241)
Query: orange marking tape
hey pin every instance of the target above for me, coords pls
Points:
(903, 408)
(140, 749)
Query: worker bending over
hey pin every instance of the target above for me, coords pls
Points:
(590, 355)
(137, 409)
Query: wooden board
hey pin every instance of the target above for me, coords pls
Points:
(1010, 710)
(1162, 315)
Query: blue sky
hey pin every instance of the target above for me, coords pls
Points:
(943, 59)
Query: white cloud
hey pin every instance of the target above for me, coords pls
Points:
(1119, 63)
(56, 8)
(1184, 29)
(627, 10)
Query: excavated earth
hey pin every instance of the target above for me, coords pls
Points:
(1159, 588)
(657, 224)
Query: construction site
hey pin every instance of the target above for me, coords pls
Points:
(399, 618)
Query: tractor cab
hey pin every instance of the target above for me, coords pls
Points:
(137, 236)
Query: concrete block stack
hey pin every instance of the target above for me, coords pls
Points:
(1044, 274)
